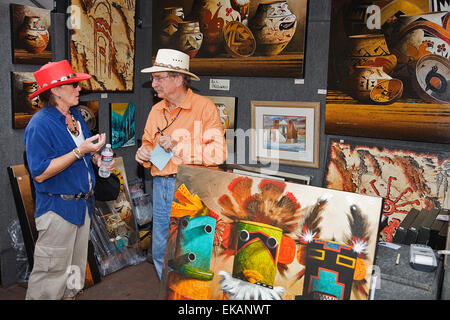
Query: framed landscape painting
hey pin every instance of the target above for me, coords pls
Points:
(123, 132)
(286, 132)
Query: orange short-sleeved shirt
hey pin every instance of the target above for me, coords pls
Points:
(196, 127)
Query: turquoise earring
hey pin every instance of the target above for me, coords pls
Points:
(59, 96)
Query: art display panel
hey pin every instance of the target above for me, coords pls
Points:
(102, 43)
(286, 132)
(233, 37)
(389, 70)
(30, 34)
(406, 178)
(238, 237)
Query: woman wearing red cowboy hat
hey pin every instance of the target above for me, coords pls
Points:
(59, 149)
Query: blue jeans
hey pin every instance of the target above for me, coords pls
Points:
(163, 190)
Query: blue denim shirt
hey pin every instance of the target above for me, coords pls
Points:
(47, 138)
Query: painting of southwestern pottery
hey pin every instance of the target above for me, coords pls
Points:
(234, 37)
(237, 237)
(23, 85)
(406, 179)
(389, 70)
(30, 34)
(102, 43)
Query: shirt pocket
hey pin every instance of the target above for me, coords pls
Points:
(50, 259)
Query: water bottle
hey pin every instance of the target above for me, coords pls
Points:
(107, 156)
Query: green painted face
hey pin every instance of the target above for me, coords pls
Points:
(256, 252)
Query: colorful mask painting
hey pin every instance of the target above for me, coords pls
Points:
(240, 237)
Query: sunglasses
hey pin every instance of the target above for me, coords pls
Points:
(73, 84)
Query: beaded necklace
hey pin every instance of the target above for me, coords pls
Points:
(167, 121)
(72, 124)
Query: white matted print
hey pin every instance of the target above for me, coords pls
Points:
(286, 132)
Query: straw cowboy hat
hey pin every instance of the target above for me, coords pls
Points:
(55, 74)
(171, 60)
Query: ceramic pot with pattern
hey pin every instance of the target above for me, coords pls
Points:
(273, 26)
(189, 38)
(172, 16)
(33, 35)
(213, 15)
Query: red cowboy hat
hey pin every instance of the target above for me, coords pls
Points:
(55, 74)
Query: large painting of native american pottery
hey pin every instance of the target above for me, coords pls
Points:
(102, 43)
(234, 37)
(285, 132)
(406, 178)
(389, 70)
(123, 132)
(23, 85)
(30, 34)
(237, 237)
(114, 231)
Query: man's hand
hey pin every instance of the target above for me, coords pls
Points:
(143, 155)
(166, 143)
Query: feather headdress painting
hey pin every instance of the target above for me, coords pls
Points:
(260, 239)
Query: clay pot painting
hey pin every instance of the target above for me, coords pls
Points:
(273, 26)
(369, 50)
(189, 39)
(172, 16)
(420, 35)
(213, 15)
(364, 80)
(28, 88)
(33, 35)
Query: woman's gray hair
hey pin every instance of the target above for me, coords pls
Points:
(47, 98)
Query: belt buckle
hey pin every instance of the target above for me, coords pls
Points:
(78, 196)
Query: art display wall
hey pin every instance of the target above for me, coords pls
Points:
(307, 70)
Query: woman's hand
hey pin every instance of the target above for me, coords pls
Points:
(89, 145)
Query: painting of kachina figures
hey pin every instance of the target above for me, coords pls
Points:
(389, 70)
(285, 133)
(30, 34)
(235, 237)
(122, 125)
(234, 37)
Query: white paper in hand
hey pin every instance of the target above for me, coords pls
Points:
(160, 157)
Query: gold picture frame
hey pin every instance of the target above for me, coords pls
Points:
(286, 132)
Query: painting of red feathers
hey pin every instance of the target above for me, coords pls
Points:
(237, 237)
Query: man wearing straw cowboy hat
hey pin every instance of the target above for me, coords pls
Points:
(184, 123)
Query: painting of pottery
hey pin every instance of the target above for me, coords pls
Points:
(238, 237)
(102, 43)
(407, 178)
(30, 34)
(23, 85)
(234, 37)
(389, 70)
